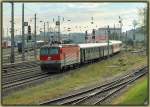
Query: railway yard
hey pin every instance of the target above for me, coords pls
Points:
(21, 78)
(18, 56)
(74, 53)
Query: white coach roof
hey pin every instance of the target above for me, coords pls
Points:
(115, 42)
(89, 45)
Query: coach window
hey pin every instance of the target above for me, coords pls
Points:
(87, 50)
(90, 50)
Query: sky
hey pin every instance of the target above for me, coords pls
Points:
(79, 14)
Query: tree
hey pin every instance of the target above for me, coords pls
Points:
(143, 24)
(143, 17)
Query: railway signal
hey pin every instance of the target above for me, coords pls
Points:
(92, 22)
(25, 23)
(29, 33)
(121, 24)
(44, 31)
(93, 35)
(58, 23)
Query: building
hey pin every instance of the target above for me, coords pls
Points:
(101, 34)
(77, 37)
(136, 35)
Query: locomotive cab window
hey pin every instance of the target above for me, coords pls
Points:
(53, 50)
(44, 51)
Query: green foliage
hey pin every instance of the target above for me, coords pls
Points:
(130, 42)
(137, 94)
(143, 18)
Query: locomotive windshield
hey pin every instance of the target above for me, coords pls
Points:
(53, 50)
(49, 51)
(44, 51)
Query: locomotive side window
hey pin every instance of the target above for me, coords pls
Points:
(53, 50)
(44, 51)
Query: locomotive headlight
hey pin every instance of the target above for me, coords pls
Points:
(49, 58)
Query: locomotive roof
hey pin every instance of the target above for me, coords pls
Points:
(59, 45)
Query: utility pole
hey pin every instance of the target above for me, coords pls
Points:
(7, 31)
(134, 39)
(105, 35)
(114, 34)
(35, 44)
(23, 39)
(59, 38)
(146, 38)
(48, 31)
(44, 34)
(126, 41)
(86, 36)
(108, 33)
(12, 60)
(120, 21)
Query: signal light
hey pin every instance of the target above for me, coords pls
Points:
(29, 33)
(93, 32)
(29, 29)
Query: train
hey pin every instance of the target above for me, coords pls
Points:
(7, 44)
(29, 45)
(57, 57)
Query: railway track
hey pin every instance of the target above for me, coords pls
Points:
(98, 94)
(21, 74)
(19, 65)
(18, 56)
(6, 60)
(21, 81)
(27, 73)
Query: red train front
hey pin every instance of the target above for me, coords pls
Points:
(56, 57)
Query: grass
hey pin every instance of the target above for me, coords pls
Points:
(135, 95)
(93, 73)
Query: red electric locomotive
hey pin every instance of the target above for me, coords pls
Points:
(59, 56)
